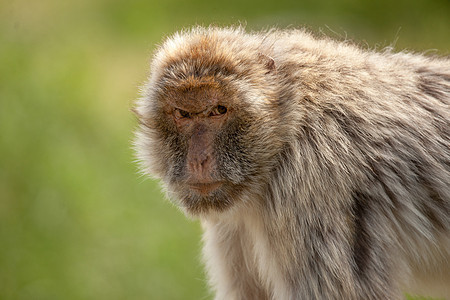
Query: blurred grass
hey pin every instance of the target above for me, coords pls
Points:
(76, 221)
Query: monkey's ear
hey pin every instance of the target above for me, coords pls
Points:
(268, 62)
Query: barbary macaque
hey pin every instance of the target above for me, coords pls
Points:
(318, 170)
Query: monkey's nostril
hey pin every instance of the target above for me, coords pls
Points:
(204, 161)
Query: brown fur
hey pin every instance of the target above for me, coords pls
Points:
(333, 162)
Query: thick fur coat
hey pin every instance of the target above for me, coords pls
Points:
(336, 163)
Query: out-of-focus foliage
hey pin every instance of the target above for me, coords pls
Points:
(76, 220)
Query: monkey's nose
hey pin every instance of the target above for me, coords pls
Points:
(200, 167)
(200, 179)
(199, 163)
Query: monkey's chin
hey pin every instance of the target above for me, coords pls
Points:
(205, 189)
(206, 199)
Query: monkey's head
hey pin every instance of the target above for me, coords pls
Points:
(209, 124)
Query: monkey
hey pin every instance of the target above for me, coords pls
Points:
(318, 169)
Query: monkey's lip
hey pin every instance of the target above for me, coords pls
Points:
(205, 188)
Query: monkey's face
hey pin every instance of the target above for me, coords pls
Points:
(208, 144)
(210, 125)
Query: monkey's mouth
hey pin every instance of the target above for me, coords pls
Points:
(205, 188)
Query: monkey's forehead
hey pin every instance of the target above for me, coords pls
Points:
(205, 53)
(199, 68)
(199, 42)
(222, 60)
(194, 62)
(196, 98)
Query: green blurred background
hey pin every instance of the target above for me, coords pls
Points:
(76, 220)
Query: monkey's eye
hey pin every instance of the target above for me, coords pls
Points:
(218, 110)
(180, 114)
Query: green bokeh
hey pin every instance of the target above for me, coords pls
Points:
(76, 219)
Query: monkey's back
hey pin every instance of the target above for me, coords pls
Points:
(380, 126)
